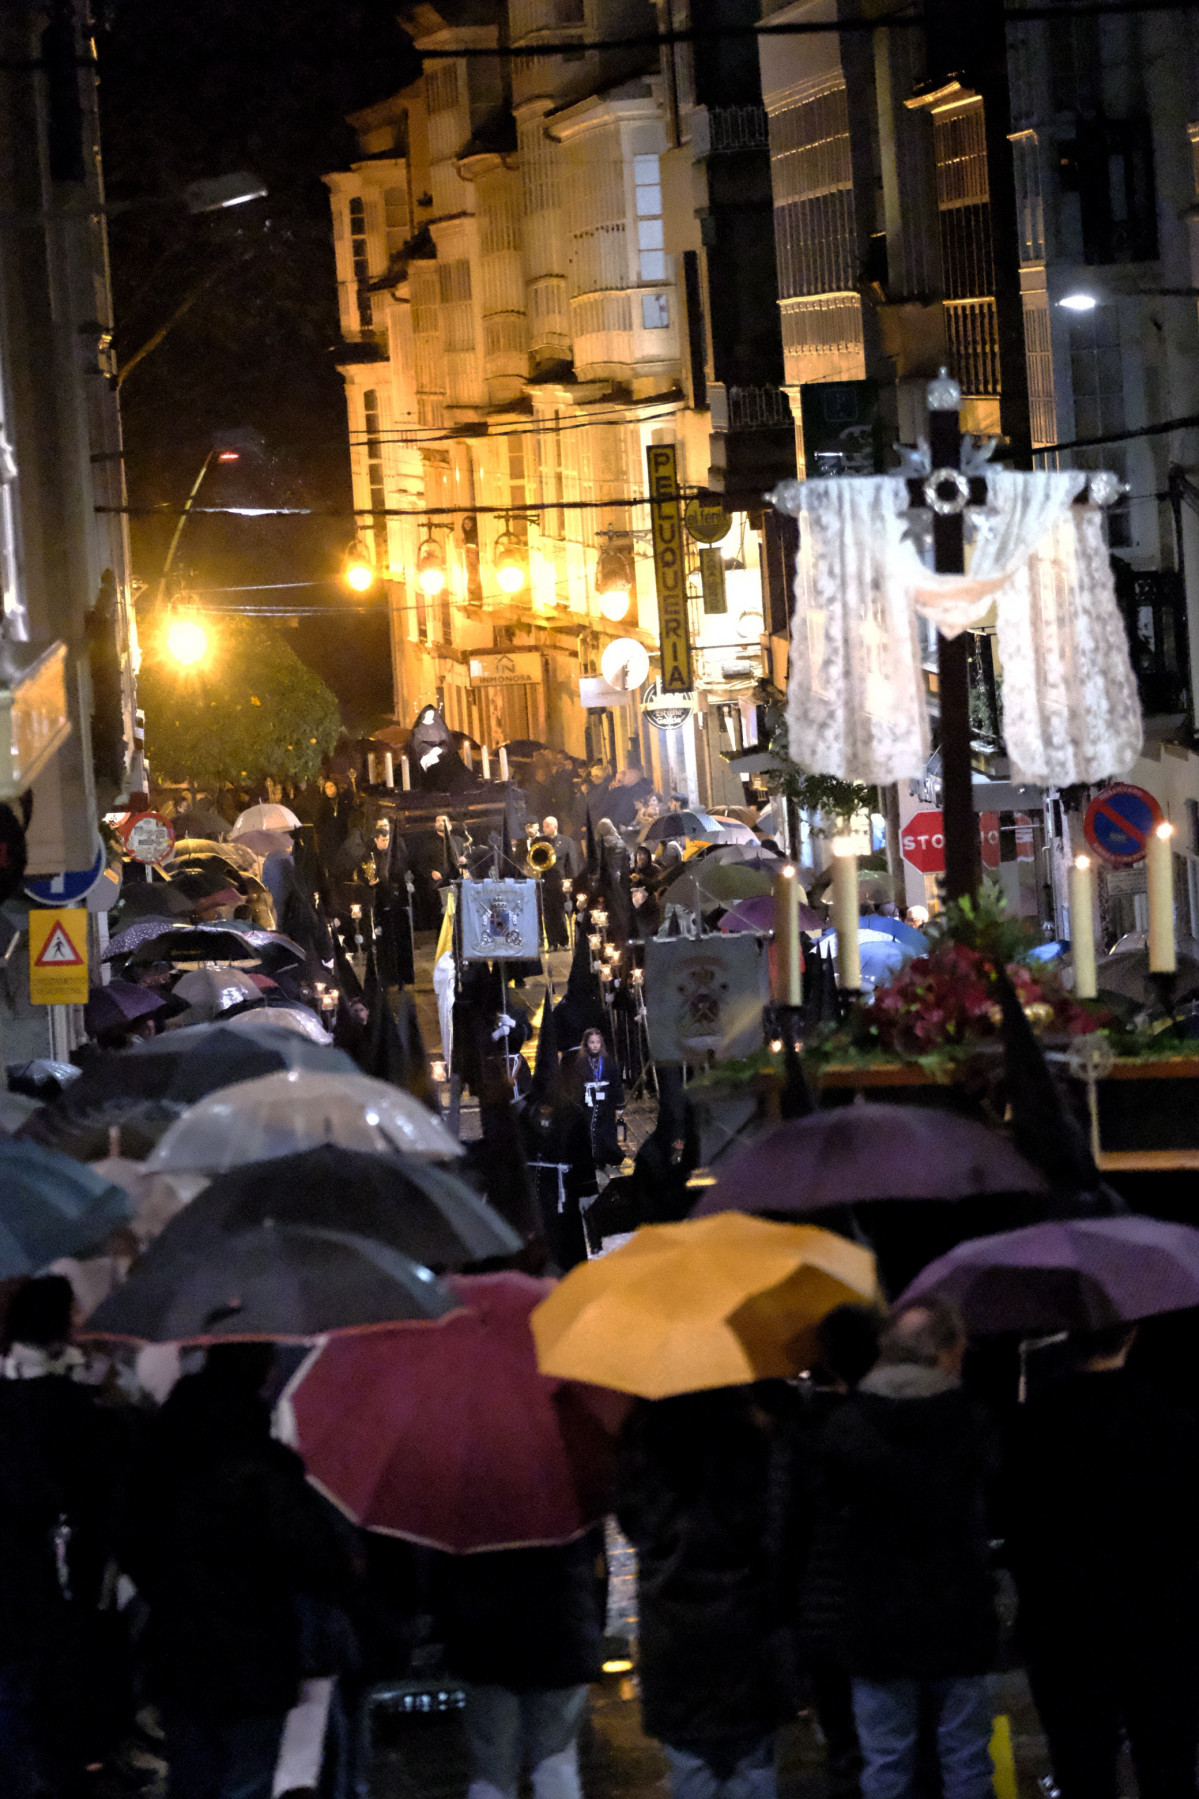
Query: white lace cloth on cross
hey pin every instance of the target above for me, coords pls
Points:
(855, 692)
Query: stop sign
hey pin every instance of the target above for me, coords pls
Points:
(923, 842)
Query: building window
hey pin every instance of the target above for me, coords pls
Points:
(651, 250)
(964, 209)
(812, 176)
(441, 87)
(360, 260)
(549, 444)
(373, 449)
(454, 292)
(655, 312)
(395, 217)
(1109, 165)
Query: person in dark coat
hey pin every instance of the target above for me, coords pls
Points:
(1103, 1536)
(523, 1630)
(906, 1464)
(581, 1006)
(556, 1133)
(703, 1496)
(848, 1338)
(56, 1472)
(593, 1081)
(226, 1540)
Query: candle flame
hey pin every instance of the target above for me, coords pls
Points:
(788, 873)
(1082, 862)
(1165, 829)
(843, 846)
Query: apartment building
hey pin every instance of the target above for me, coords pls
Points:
(542, 272)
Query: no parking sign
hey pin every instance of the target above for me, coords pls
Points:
(1118, 824)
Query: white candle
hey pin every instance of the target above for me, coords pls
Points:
(468, 756)
(787, 978)
(372, 769)
(486, 755)
(503, 763)
(405, 775)
(389, 768)
(1082, 928)
(845, 913)
(1159, 869)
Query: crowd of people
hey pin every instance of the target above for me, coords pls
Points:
(835, 1544)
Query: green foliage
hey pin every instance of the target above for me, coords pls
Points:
(250, 709)
(984, 924)
(836, 799)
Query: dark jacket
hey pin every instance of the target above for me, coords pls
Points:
(906, 1462)
(56, 1467)
(233, 1539)
(702, 1496)
(525, 1619)
(1103, 1514)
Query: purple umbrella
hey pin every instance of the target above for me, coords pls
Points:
(1081, 1274)
(114, 1008)
(854, 1153)
(757, 914)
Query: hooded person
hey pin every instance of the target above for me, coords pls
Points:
(557, 1141)
(582, 1004)
(433, 756)
(670, 1154)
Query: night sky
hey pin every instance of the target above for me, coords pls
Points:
(205, 88)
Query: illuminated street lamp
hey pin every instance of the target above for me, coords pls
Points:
(359, 573)
(430, 567)
(615, 576)
(511, 564)
(186, 640)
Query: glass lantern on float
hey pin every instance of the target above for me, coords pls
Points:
(430, 567)
(615, 577)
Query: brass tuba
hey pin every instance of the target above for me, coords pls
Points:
(541, 855)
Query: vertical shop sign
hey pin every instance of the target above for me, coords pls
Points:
(670, 573)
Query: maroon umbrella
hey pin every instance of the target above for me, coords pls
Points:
(459, 1443)
(1078, 1274)
(854, 1153)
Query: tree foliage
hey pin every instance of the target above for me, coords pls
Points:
(250, 709)
(827, 794)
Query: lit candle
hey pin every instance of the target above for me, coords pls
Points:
(405, 775)
(1159, 868)
(503, 763)
(486, 755)
(468, 756)
(1082, 928)
(845, 913)
(389, 768)
(788, 985)
(372, 769)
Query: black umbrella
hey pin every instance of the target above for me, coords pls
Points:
(200, 943)
(186, 1064)
(285, 1284)
(423, 1211)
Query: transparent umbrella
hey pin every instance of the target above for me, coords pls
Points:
(279, 1114)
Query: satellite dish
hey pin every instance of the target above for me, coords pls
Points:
(625, 664)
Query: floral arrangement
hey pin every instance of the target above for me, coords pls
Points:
(946, 1000)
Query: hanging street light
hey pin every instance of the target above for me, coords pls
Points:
(186, 641)
(511, 563)
(430, 567)
(615, 577)
(359, 573)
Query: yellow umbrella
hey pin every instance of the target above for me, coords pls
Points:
(711, 1302)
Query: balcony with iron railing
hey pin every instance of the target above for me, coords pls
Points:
(725, 130)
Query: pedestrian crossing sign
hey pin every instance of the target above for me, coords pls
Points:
(58, 956)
